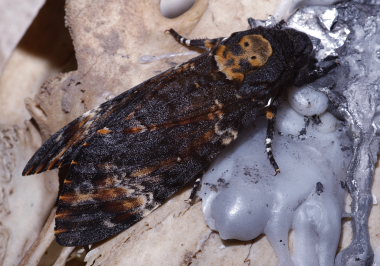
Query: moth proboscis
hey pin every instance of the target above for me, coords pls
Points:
(130, 154)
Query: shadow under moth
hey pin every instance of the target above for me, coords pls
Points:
(130, 154)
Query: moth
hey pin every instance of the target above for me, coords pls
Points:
(130, 154)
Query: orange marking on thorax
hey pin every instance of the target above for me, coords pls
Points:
(256, 51)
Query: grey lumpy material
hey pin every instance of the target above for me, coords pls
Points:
(306, 197)
(355, 38)
(349, 30)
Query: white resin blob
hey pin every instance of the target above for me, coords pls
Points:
(242, 198)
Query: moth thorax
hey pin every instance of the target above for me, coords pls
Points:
(253, 51)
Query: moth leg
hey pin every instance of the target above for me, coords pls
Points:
(280, 25)
(252, 23)
(337, 101)
(206, 44)
(194, 191)
(271, 117)
(314, 72)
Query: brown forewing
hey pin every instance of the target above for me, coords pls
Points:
(141, 147)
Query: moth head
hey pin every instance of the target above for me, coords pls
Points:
(242, 53)
(302, 45)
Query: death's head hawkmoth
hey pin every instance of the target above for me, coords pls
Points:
(130, 154)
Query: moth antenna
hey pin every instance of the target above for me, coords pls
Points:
(271, 117)
(206, 44)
